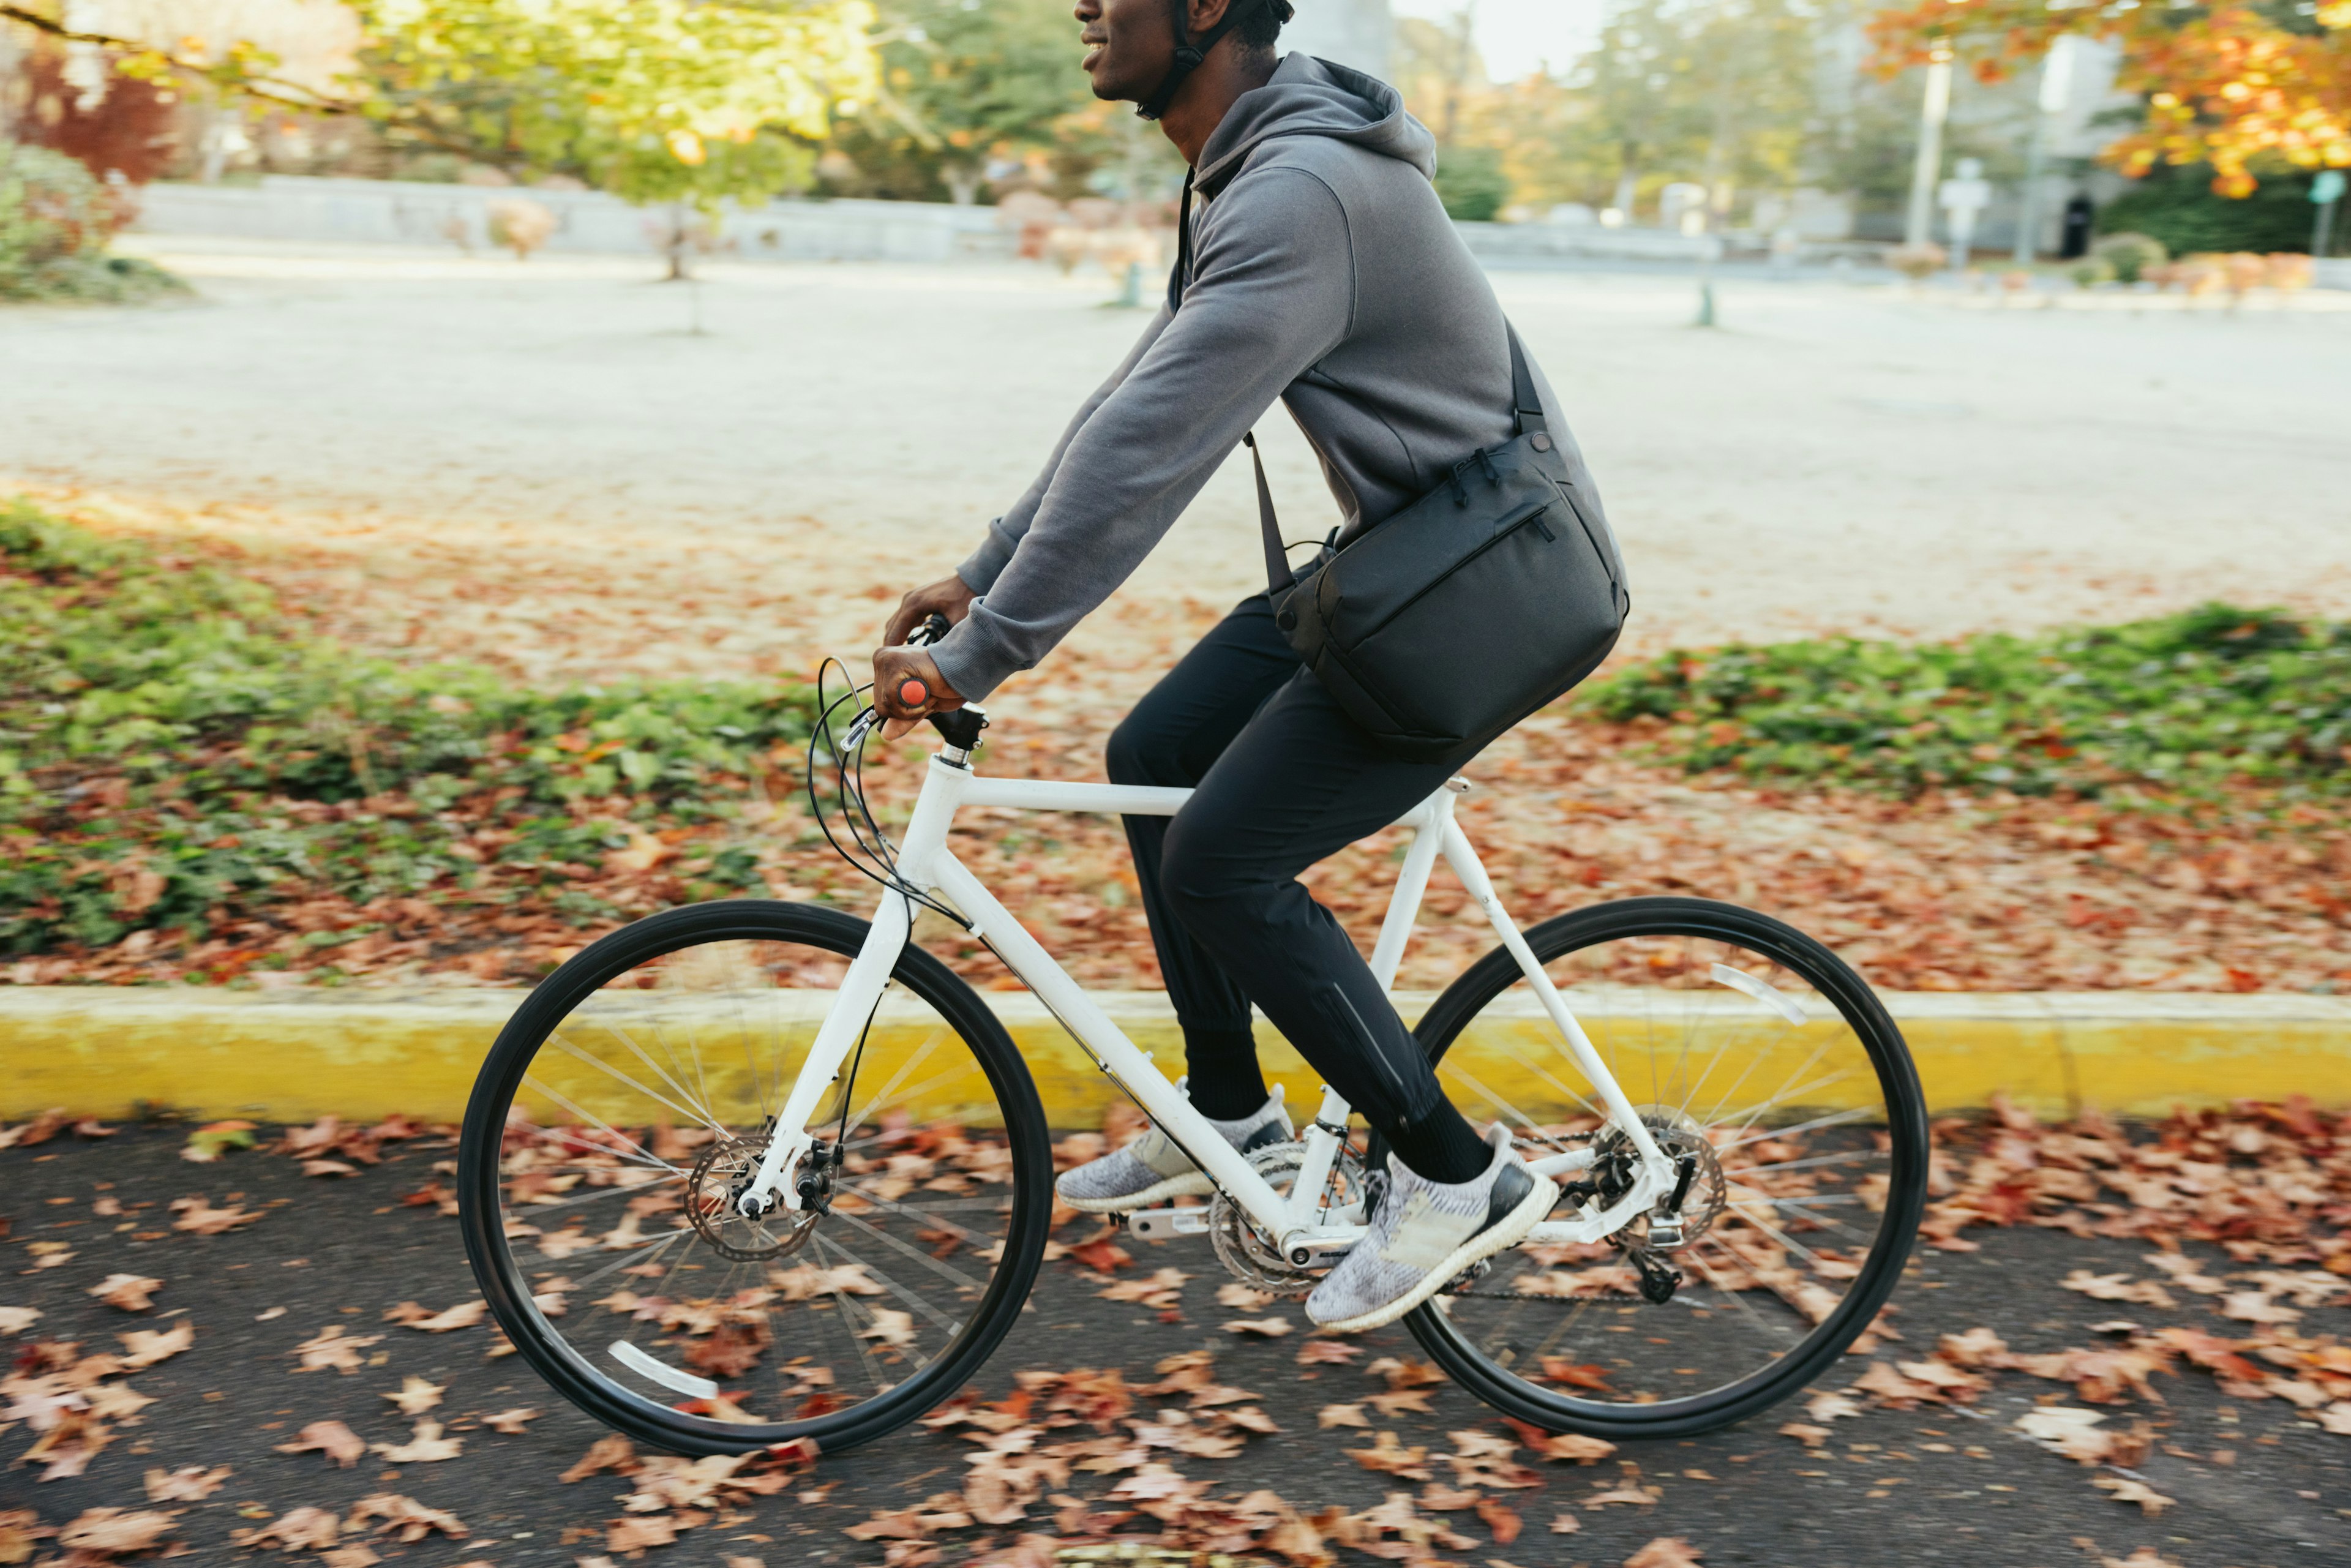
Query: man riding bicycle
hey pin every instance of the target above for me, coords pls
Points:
(1320, 268)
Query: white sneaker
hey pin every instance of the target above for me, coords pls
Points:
(1425, 1233)
(1154, 1168)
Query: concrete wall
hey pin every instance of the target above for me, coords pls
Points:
(1535, 244)
(391, 211)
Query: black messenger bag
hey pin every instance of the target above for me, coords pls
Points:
(1440, 627)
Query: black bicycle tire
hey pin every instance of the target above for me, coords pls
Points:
(552, 1356)
(1906, 1196)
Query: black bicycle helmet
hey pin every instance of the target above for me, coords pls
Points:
(1189, 52)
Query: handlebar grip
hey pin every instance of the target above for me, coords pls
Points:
(912, 692)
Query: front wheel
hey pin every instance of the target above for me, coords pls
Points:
(629, 1100)
(1758, 1055)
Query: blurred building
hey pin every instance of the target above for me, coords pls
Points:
(1355, 33)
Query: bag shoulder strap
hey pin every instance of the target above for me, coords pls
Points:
(1179, 277)
(1526, 407)
(1527, 413)
(1279, 578)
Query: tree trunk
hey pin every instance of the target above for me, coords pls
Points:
(679, 243)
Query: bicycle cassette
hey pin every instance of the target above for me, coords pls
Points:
(1705, 1191)
(1252, 1257)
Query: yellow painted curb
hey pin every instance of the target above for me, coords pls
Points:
(295, 1055)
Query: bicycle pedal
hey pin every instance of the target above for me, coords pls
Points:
(1168, 1224)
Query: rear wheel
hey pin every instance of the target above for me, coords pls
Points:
(1758, 1055)
(630, 1096)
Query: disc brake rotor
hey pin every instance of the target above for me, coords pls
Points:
(711, 1190)
(1680, 1137)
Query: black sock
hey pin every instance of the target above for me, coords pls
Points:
(1442, 1146)
(1223, 1081)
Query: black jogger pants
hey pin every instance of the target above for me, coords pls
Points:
(1284, 779)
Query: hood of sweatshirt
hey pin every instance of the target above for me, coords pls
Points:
(1311, 97)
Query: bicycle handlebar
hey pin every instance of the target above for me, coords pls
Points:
(960, 727)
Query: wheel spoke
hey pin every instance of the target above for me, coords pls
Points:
(914, 1299)
(634, 1255)
(1523, 1059)
(557, 1205)
(1738, 1297)
(929, 1216)
(881, 1100)
(935, 1265)
(650, 1052)
(1845, 1159)
(702, 1110)
(1504, 1106)
(1717, 1075)
(568, 1048)
(850, 1310)
(1834, 1119)
(649, 1157)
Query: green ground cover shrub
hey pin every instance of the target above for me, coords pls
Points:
(2176, 708)
(2127, 257)
(1472, 184)
(2178, 207)
(175, 753)
(55, 223)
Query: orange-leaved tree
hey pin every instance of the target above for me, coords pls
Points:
(2225, 82)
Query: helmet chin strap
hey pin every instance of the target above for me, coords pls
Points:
(1189, 56)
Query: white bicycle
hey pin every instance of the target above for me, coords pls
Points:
(751, 1172)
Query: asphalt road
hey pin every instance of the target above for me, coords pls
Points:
(344, 1251)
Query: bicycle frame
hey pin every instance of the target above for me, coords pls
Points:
(925, 861)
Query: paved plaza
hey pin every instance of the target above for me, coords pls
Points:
(1836, 456)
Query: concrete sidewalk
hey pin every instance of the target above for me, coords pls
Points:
(294, 1055)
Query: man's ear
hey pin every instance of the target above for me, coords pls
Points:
(1203, 14)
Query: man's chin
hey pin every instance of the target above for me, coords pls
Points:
(1110, 86)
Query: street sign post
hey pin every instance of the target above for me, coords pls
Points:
(1964, 195)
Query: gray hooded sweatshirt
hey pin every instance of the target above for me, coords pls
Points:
(1325, 273)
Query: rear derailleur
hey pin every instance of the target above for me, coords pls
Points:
(1611, 1177)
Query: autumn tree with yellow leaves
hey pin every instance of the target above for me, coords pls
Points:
(2237, 86)
(656, 100)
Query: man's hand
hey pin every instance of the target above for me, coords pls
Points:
(896, 671)
(949, 597)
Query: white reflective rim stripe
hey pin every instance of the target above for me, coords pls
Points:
(1778, 1001)
(644, 1366)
